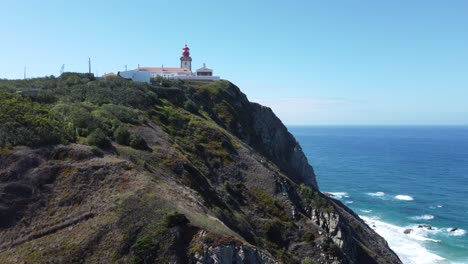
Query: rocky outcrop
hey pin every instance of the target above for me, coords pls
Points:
(278, 144)
(232, 254)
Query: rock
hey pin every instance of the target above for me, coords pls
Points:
(408, 231)
(428, 227)
(234, 254)
(453, 229)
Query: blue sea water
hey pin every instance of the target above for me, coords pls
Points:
(398, 177)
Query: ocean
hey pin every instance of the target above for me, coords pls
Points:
(398, 178)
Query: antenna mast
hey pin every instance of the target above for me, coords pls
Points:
(62, 69)
(89, 65)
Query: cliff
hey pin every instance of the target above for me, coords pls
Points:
(179, 172)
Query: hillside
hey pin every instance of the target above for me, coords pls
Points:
(112, 171)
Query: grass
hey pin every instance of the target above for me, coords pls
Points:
(268, 204)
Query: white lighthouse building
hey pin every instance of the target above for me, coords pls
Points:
(144, 74)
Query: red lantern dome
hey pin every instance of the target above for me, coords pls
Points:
(186, 52)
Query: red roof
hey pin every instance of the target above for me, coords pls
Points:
(110, 74)
(159, 69)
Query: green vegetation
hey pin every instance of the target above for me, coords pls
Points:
(268, 204)
(71, 106)
(308, 260)
(309, 237)
(24, 122)
(137, 142)
(122, 136)
(99, 139)
(148, 246)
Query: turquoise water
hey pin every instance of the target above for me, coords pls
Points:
(398, 178)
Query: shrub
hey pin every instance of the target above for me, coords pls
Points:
(307, 192)
(23, 122)
(308, 260)
(269, 204)
(122, 136)
(137, 142)
(96, 151)
(309, 237)
(123, 113)
(99, 139)
(145, 250)
(190, 106)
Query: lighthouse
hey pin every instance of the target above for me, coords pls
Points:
(186, 60)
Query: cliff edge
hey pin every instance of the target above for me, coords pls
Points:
(175, 172)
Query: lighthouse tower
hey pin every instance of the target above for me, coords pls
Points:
(186, 60)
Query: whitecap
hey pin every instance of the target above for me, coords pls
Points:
(404, 197)
(378, 194)
(349, 202)
(365, 211)
(423, 217)
(409, 247)
(338, 195)
(458, 232)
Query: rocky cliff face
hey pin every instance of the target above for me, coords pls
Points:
(220, 180)
(280, 145)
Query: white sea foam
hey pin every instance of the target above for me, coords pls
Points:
(407, 247)
(404, 197)
(338, 195)
(423, 217)
(365, 211)
(458, 232)
(349, 202)
(378, 194)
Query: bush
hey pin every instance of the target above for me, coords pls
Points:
(190, 106)
(138, 142)
(308, 260)
(309, 237)
(99, 139)
(97, 152)
(23, 122)
(122, 136)
(145, 250)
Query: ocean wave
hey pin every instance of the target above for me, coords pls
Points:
(423, 217)
(404, 197)
(378, 194)
(409, 247)
(349, 202)
(457, 232)
(365, 211)
(338, 195)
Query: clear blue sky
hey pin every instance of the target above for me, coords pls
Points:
(313, 62)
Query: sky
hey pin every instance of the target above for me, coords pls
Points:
(333, 62)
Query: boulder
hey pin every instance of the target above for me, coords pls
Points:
(408, 231)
